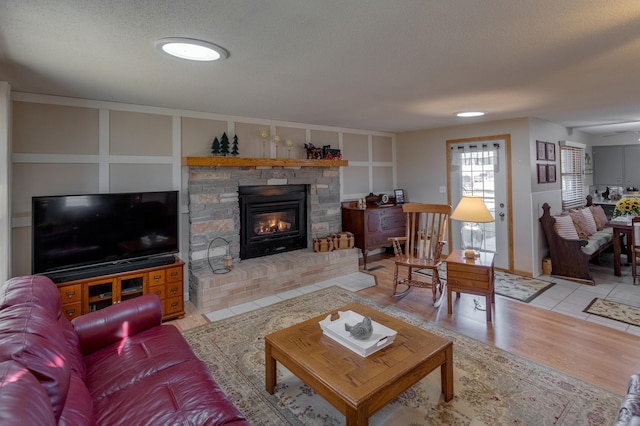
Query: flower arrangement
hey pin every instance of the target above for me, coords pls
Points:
(627, 206)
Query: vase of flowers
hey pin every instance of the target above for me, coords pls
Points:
(627, 207)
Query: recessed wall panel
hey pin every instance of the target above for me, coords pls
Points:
(136, 133)
(297, 136)
(198, 134)
(54, 129)
(21, 251)
(356, 180)
(355, 147)
(319, 138)
(140, 177)
(382, 180)
(249, 142)
(382, 149)
(32, 179)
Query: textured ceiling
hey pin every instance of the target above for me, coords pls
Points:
(370, 64)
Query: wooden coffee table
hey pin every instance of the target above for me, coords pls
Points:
(359, 386)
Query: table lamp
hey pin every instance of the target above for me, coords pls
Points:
(472, 210)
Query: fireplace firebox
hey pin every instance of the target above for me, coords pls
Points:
(273, 219)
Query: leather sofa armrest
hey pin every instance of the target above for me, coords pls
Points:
(101, 328)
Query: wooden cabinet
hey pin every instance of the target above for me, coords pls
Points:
(475, 276)
(71, 297)
(91, 294)
(372, 227)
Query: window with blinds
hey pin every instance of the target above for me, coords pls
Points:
(571, 175)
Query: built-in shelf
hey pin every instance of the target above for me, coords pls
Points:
(260, 162)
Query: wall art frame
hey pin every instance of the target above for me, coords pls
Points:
(551, 151)
(541, 149)
(542, 173)
(551, 173)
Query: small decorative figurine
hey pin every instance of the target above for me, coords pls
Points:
(362, 330)
(224, 144)
(234, 149)
(215, 146)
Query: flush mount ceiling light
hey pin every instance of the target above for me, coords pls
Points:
(192, 49)
(466, 114)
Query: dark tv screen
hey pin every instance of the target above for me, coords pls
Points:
(74, 231)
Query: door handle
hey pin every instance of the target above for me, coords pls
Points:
(501, 215)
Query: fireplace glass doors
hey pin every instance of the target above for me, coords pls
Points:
(273, 219)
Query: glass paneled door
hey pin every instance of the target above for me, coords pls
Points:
(481, 167)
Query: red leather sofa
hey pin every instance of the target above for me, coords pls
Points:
(116, 366)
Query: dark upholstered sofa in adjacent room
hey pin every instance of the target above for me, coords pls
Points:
(116, 366)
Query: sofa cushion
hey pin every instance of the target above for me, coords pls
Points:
(599, 216)
(22, 400)
(181, 394)
(121, 364)
(578, 223)
(589, 222)
(78, 409)
(33, 289)
(597, 240)
(28, 335)
(72, 345)
(565, 228)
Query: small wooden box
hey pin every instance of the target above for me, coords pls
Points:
(322, 244)
(342, 240)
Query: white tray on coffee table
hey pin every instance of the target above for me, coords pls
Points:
(380, 338)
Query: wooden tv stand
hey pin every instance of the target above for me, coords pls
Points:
(86, 295)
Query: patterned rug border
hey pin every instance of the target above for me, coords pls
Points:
(276, 412)
(604, 315)
(498, 274)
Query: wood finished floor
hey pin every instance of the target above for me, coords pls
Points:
(594, 353)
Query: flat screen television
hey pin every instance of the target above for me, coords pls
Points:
(72, 232)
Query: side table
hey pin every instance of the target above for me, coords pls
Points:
(475, 276)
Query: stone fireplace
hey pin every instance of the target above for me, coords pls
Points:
(214, 188)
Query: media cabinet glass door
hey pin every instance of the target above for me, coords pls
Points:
(106, 292)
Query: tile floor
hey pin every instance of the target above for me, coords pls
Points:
(566, 297)
(571, 298)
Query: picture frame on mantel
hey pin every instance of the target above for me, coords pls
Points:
(541, 148)
(542, 173)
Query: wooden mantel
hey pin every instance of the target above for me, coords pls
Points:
(258, 162)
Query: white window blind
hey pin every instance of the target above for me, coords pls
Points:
(571, 174)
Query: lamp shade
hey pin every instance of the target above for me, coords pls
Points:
(471, 208)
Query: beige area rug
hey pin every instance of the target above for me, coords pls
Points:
(516, 287)
(614, 310)
(491, 386)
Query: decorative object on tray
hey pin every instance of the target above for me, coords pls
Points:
(627, 207)
(605, 194)
(380, 337)
(276, 141)
(362, 330)
(632, 190)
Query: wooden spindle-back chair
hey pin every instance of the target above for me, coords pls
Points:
(423, 242)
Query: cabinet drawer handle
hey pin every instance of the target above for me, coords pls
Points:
(70, 312)
(174, 274)
(174, 290)
(156, 278)
(70, 294)
(174, 305)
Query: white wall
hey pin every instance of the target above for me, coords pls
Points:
(5, 181)
(422, 170)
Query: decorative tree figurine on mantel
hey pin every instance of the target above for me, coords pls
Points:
(215, 146)
(234, 146)
(224, 144)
